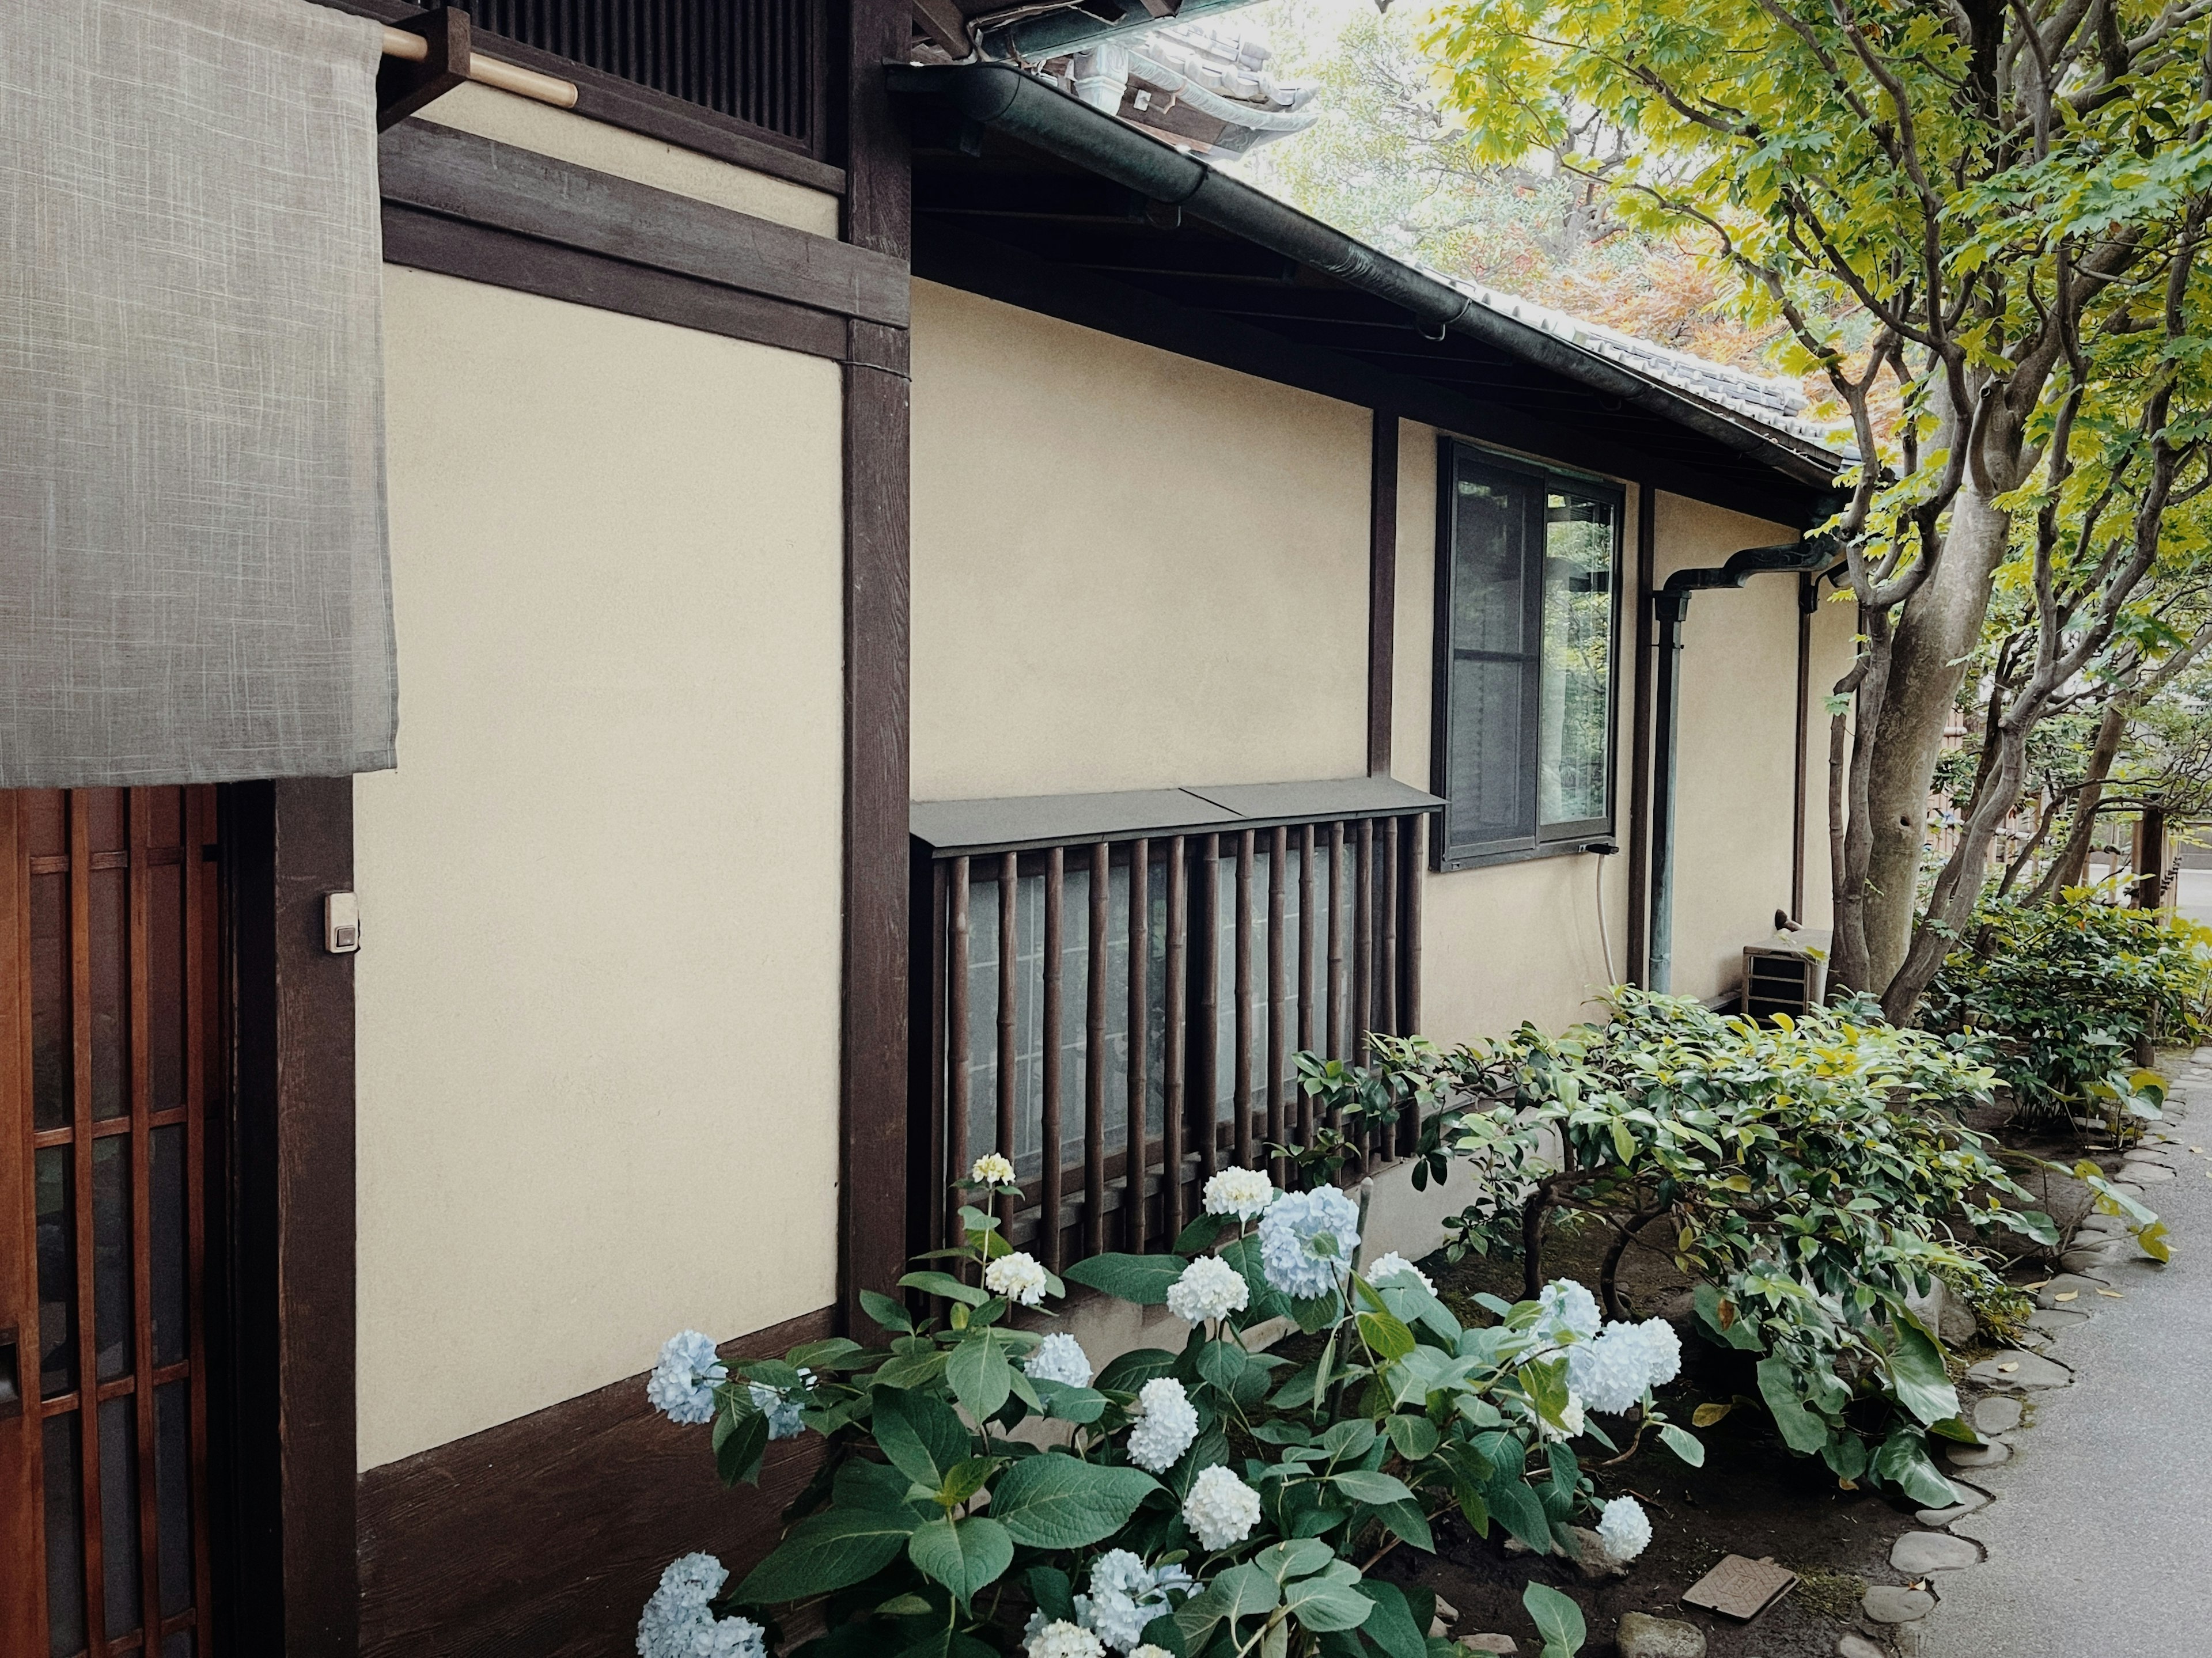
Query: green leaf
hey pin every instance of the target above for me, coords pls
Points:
(1053, 1594)
(1199, 1236)
(1903, 1460)
(1390, 1625)
(963, 1481)
(1362, 1486)
(1064, 1403)
(1916, 1375)
(828, 1551)
(1284, 1561)
(1144, 1280)
(1518, 1507)
(1412, 1437)
(948, 1643)
(909, 1370)
(1802, 1430)
(980, 1372)
(1385, 1336)
(885, 1310)
(1687, 1446)
(739, 1440)
(1406, 1520)
(1055, 1501)
(1558, 1619)
(1133, 1369)
(963, 1555)
(1222, 1363)
(1240, 1592)
(944, 1283)
(1330, 1599)
(920, 1435)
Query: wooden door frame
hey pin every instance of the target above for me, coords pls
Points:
(287, 1579)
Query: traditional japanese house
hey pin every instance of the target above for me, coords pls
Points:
(753, 602)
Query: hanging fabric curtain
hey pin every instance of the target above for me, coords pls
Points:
(194, 584)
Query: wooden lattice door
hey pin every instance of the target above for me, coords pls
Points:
(110, 1071)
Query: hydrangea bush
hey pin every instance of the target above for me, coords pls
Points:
(1810, 1178)
(986, 1490)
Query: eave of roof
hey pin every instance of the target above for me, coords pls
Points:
(1003, 99)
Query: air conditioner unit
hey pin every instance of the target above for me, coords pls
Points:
(1780, 980)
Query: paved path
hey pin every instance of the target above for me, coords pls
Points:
(2099, 1537)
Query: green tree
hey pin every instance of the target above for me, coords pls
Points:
(1989, 211)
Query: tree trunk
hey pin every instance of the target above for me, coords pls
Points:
(2071, 866)
(1939, 627)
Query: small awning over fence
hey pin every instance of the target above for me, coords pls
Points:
(193, 578)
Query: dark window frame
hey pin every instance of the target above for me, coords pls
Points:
(1542, 839)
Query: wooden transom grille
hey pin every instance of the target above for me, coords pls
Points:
(107, 1069)
(1124, 1027)
(759, 61)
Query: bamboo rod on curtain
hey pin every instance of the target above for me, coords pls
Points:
(488, 71)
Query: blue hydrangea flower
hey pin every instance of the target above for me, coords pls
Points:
(1307, 1240)
(682, 1385)
(780, 1408)
(679, 1623)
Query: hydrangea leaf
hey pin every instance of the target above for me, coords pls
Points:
(740, 1438)
(1514, 1504)
(1240, 1592)
(1133, 1369)
(1066, 1403)
(1222, 1363)
(1414, 1436)
(920, 1435)
(1389, 1623)
(1144, 1280)
(1199, 1235)
(1055, 1501)
(944, 1283)
(1406, 1521)
(1558, 1619)
(1330, 1599)
(980, 1371)
(1364, 1486)
(1053, 1594)
(1687, 1446)
(831, 1551)
(1284, 1561)
(964, 1555)
(886, 1311)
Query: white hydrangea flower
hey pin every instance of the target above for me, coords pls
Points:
(1148, 1650)
(1624, 1529)
(678, 1624)
(1061, 1639)
(782, 1409)
(1221, 1509)
(682, 1385)
(1243, 1193)
(991, 1170)
(1166, 1424)
(1060, 1358)
(1571, 1420)
(1573, 1308)
(1210, 1288)
(1125, 1595)
(1663, 1348)
(1612, 1372)
(1307, 1240)
(1018, 1277)
(1394, 1265)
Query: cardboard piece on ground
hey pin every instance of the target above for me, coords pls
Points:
(1740, 1588)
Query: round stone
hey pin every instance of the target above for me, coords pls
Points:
(2067, 1290)
(1978, 1456)
(1857, 1646)
(2054, 1320)
(1997, 1415)
(1919, 1552)
(2016, 1369)
(2149, 1173)
(1503, 1644)
(1643, 1636)
(1969, 1500)
(1889, 1603)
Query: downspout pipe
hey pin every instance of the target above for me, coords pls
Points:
(1670, 607)
(1004, 100)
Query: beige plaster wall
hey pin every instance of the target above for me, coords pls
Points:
(1835, 625)
(1737, 754)
(565, 135)
(598, 990)
(1131, 570)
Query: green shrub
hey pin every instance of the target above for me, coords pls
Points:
(1808, 1178)
(983, 1492)
(2067, 991)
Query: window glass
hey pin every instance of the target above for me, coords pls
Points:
(1577, 659)
(1525, 721)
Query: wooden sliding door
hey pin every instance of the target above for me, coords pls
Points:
(110, 1073)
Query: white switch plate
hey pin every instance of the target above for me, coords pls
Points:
(341, 923)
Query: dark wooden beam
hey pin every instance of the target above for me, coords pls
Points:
(503, 258)
(1382, 589)
(460, 175)
(875, 1175)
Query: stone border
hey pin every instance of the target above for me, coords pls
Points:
(1891, 1615)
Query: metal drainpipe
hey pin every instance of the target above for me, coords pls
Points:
(1670, 605)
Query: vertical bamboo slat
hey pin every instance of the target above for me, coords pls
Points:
(955, 1043)
(1206, 1097)
(88, 1340)
(1277, 1006)
(1009, 903)
(943, 1154)
(1094, 1059)
(1363, 963)
(1241, 1108)
(1140, 963)
(1309, 918)
(1338, 1046)
(1052, 1216)
(138, 806)
(1173, 1044)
